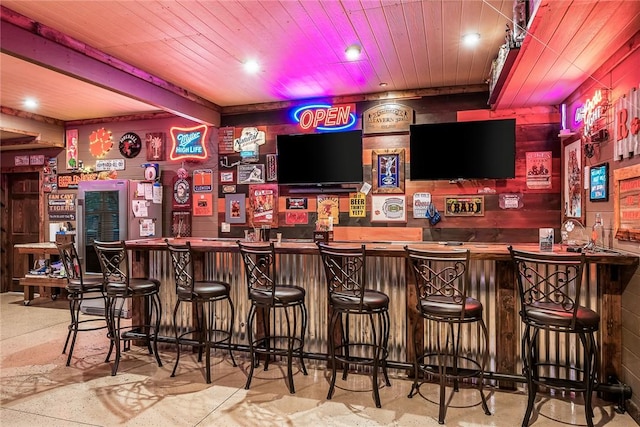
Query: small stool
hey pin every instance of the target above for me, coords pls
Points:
(114, 262)
(286, 337)
(345, 271)
(441, 279)
(199, 293)
(79, 288)
(549, 287)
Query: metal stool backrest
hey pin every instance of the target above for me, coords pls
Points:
(441, 274)
(183, 268)
(549, 281)
(345, 270)
(114, 261)
(259, 262)
(70, 261)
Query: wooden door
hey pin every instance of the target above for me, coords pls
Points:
(21, 224)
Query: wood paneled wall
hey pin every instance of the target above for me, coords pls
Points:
(536, 130)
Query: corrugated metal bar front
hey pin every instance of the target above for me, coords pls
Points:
(386, 274)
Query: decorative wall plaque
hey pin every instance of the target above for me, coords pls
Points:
(387, 118)
(130, 145)
(155, 144)
(202, 180)
(464, 206)
(225, 140)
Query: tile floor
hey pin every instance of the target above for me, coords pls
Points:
(37, 389)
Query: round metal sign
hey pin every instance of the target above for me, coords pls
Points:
(130, 145)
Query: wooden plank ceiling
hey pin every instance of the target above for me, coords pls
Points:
(196, 50)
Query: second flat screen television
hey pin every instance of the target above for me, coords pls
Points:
(317, 159)
(463, 150)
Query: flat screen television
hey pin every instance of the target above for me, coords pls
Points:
(320, 159)
(463, 150)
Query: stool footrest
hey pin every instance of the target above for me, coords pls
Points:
(278, 345)
(563, 384)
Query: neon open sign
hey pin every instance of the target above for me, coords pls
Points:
(325, 117)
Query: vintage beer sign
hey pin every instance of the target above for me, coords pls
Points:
(248, 144)
(357, 205)
(189, 143)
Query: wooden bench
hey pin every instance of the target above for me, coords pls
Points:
(30, 284)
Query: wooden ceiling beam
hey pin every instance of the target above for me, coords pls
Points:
(53, 51)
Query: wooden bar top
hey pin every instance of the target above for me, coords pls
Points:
(486, 251)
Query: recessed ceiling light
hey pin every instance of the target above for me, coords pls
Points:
(251, 66)
(353, 52)
(383, 84)
(30, 103)
(471, 39)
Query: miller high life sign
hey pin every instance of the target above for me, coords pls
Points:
(325, 117)
(189, 143)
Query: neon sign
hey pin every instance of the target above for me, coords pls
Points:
(189, 143)
(593, 111)
(325, 117)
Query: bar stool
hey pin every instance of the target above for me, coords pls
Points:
(200, 294)
(549, 286)
(268, 298)
(345, 271)
(442, 280)
(119, 286)
(79, 288)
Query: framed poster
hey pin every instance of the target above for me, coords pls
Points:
(250, 174)
(263, 204)
(626, 209)
(71, 139)
(235, 211)
(599, 183)
(572, 186)
(388, 209)
(181, 224)
(387, 170)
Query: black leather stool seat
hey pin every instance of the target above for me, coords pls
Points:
(135, 287)
(442, 306)
(206, 290)
(371, 300)
(283, 294)
(547, 314)
(86, 284)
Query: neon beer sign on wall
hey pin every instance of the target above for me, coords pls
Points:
(325, 117)
(189, 143)
(592, 112)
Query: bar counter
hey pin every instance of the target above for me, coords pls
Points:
(492, 282)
